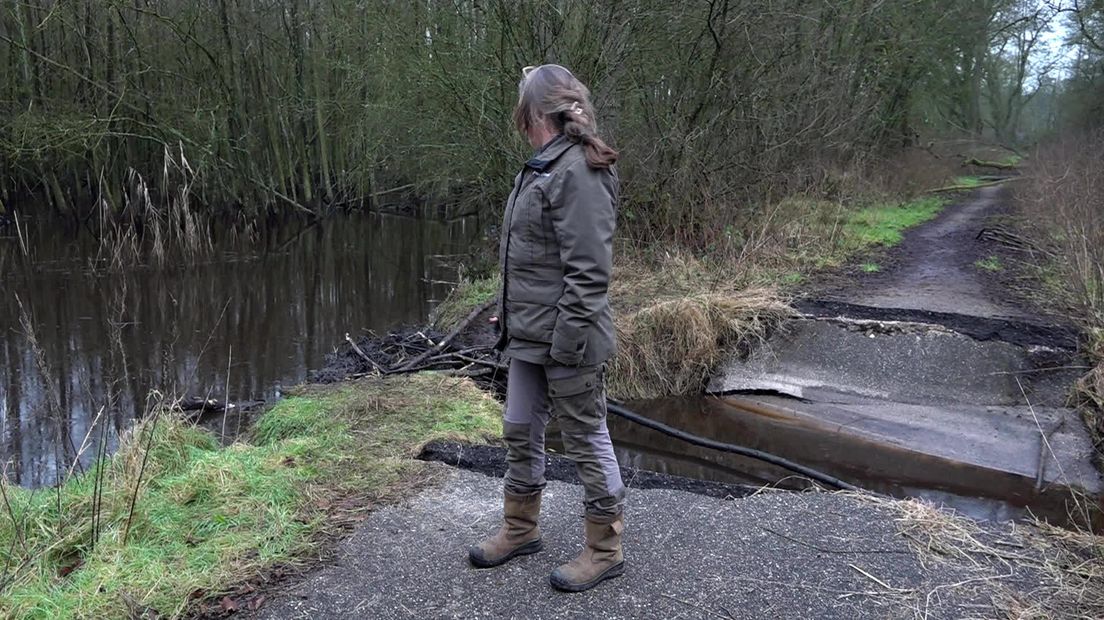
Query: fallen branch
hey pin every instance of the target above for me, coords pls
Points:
(362, 355)
(434, 350)
(1011, 240)
(998, 165)
(966, 188)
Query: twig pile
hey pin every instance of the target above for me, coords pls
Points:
(413, 350)
(1012, 240)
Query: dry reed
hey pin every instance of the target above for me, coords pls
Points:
(1064, 567)
(1063, 199)
(677, 320)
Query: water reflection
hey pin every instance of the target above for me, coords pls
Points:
(881, 467)
(250, 321)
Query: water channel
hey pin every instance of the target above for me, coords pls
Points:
(244, 322)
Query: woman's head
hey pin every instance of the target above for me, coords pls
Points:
(549, 96)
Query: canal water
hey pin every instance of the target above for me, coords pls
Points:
(91, 344)
(880, 467)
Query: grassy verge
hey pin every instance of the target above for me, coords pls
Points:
(679, 315)
(470, 293)
(207, 516)
(884, 224)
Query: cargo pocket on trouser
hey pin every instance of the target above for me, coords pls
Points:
(578, 404)
(574, 398)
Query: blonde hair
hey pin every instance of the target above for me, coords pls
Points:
(550, 93)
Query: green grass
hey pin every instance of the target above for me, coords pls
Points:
(882, 225)
(207, 516)
(470, 293)
(967, 181)
(990, 263)
(870, 267)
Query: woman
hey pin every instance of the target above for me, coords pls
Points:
(556, 326)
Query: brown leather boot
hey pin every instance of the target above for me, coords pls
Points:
(519, 534)
(601, 559)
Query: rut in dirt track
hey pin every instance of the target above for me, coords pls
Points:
(934, 269)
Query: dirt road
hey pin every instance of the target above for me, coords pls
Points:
(935, 268)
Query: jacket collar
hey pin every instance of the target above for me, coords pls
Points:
(550, 152)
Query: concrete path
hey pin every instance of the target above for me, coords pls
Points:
(773, 555)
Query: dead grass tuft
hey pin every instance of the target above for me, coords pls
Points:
(677, 320)
(1072, 568)
(1067, 565)
(1089, 393)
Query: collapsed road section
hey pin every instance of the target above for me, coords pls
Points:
(920, 405)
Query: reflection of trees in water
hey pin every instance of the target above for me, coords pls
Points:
(110, 339)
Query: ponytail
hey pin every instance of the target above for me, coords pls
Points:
(599, 155)
(551, 93)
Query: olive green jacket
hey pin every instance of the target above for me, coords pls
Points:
(556, 255)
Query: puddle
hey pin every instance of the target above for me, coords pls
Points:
(974, 491)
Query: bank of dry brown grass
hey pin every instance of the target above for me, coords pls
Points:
(1064, 567)
(678, 317)
(1062, 203)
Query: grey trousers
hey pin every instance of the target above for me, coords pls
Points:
(577, 398)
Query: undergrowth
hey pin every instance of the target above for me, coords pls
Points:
(1062, 203)
(207, 516)
(678, 315)
(468, 294)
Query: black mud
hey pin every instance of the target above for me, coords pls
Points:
(1013, 331)
(491, 461)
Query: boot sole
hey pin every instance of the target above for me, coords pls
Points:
(528, 548)
(614, 571)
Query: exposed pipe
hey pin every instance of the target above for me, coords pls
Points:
(636, 418)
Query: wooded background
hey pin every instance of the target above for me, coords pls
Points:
(265, 107)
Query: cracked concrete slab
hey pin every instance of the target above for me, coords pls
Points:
(936, 395)
(1008, 440)
(901, 362)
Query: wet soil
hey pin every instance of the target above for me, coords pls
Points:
(933, 274)
(491, 461)
(1035, 331)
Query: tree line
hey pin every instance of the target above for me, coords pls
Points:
(265, 107)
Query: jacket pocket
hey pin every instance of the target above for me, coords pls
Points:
(531, 321)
